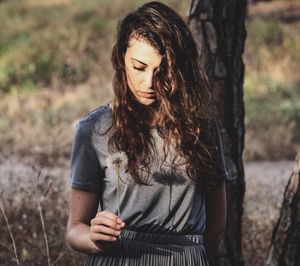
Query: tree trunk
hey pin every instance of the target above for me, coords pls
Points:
(219, 30)
(285, 243)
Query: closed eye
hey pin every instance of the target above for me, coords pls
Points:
(139, 68)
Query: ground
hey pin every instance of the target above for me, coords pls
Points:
(265, 183)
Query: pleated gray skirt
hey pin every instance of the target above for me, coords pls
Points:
(134, 248)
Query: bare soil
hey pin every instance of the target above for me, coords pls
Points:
(265, 184)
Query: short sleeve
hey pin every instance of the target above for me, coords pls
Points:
(222, 174)
(86, 172)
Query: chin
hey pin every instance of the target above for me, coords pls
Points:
(146, 101)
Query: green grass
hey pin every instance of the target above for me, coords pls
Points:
(269, 102)
(271, 42)
(68, 42)
(55, 66)
(272, 85)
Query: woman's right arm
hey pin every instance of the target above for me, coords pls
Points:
(87, 230)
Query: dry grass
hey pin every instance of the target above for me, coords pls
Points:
(37, 218)
(274, 143)
(57, 68)
(272, 84)
(265, 185)
(42, 124)
(40, 109)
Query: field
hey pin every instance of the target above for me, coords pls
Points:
(55, 67)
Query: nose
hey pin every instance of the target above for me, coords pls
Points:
(148, 80)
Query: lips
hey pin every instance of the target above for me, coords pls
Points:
(146, 94)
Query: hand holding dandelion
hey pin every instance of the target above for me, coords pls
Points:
(105, 229)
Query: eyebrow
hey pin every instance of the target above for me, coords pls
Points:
(139, 61)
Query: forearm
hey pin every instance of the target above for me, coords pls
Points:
(215, 218)
(78, 237)
(212, 238)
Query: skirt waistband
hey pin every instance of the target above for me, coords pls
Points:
(182, 240)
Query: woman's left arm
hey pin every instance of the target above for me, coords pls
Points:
(216, 212)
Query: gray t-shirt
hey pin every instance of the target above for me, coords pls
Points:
(169, 203)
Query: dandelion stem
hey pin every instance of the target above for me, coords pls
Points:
(118, 190)
(42, 220)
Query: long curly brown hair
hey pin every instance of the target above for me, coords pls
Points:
(183, 98)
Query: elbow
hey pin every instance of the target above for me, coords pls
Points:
(69, 235)
(77, 238)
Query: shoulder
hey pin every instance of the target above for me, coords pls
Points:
(93, 120)
(95, 115)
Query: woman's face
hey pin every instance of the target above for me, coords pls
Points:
(141, 61)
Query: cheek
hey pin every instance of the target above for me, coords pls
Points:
(133, 79)
(129, 80)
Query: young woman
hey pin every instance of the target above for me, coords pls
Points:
(151, 160)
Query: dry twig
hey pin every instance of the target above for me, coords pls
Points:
(10, 233)
(42, 219)
(60, 256)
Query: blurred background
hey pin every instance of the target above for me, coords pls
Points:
(55, 67)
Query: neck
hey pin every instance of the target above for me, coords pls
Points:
(154, 121)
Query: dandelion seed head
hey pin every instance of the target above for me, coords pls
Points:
(117, 160)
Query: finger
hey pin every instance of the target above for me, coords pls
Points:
(122, 224)
(102, 220)
(109, 215)
(96, 237)
(119, 220)
(104, 230)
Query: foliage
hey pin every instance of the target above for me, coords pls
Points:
(58, 40)
(272, 88)
(55, 66)
(270, 102)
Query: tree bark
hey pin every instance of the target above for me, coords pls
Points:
(285, 242)
(219, 30)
